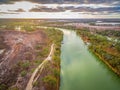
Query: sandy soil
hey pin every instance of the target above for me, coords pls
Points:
(17, 46)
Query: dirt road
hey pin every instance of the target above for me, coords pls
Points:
(31, 80)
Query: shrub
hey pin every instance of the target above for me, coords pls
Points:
(23, 73)
(50, 80)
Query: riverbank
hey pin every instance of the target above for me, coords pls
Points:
(103, 60)
(39, 68)
(104, 49)
(52, 79)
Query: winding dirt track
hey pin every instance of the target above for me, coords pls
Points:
(32, 78)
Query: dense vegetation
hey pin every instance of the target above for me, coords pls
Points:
(107, 50)
(111, 33)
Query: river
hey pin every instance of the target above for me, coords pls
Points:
(81, 70)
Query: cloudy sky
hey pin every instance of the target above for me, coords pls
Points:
(59, 8)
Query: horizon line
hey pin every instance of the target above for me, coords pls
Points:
(59, 18)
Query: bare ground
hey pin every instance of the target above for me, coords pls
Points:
(17, 47)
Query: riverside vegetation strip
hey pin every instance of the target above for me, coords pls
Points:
(26, 59)
(52, 78)
(107, 50)
(40, 68)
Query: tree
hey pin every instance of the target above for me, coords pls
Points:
(50, 81)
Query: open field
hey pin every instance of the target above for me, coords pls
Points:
(24, 46)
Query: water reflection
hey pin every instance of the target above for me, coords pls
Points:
(81, 70)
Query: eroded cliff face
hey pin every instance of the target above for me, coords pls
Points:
(17, 49)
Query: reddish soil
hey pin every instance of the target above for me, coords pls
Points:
(16, 47)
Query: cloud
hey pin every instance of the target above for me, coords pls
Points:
(18, 10)
(91, 9)
(65, 1)
(8, 1)
(8, 13)
(46, 9)
(73, 7)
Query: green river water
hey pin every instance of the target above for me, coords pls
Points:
(81, 70)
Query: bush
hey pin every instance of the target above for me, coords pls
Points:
(23, 73)
(50, 80)
(35, 83)
(24, 65)
(13, 88)
(3, 87)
